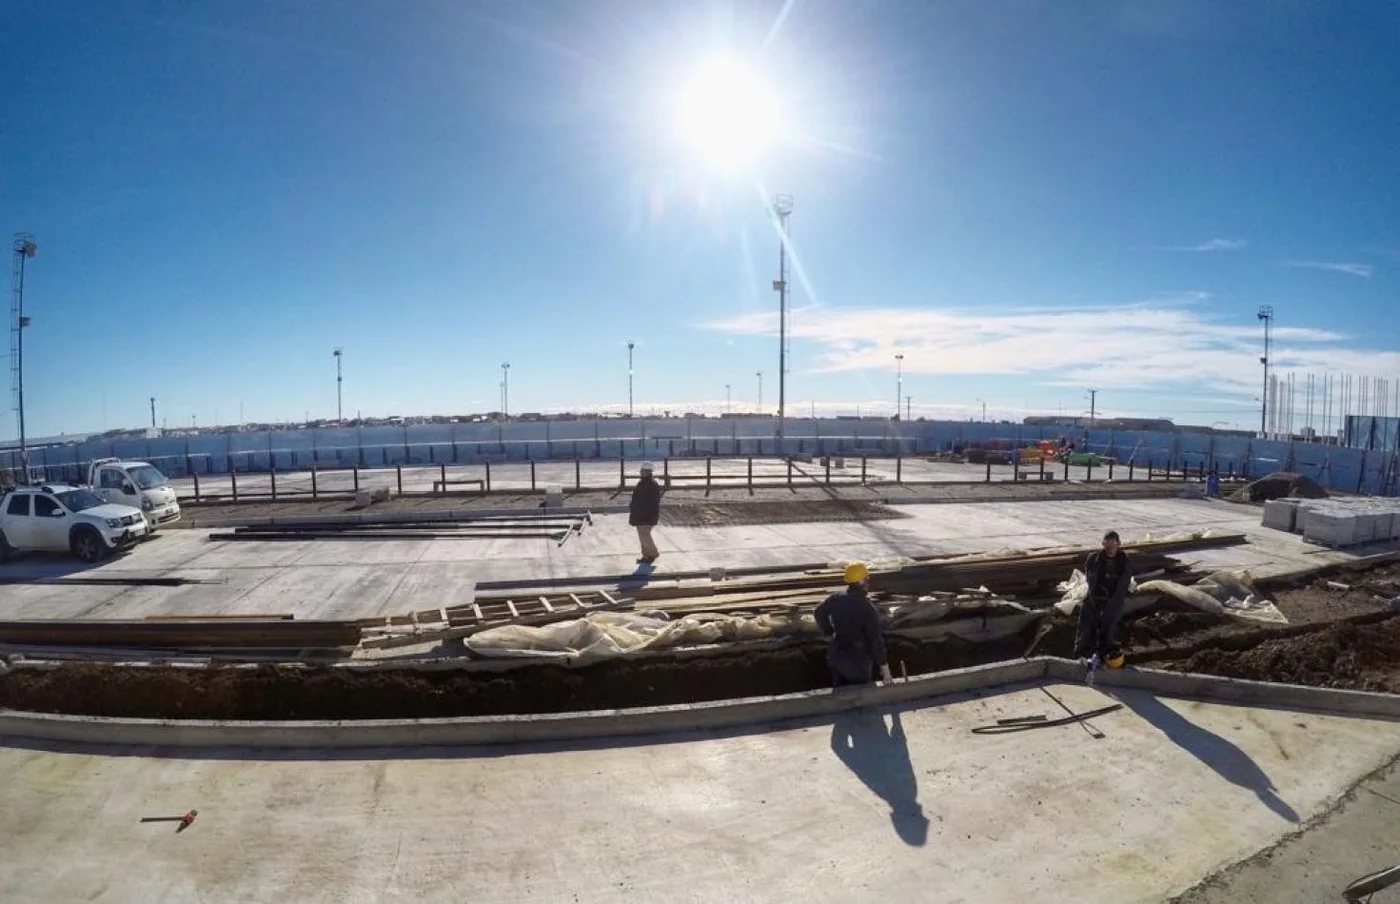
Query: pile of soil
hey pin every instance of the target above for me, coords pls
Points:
(275, 693)
(796, 512)
(1351, 656)
(1279, 485)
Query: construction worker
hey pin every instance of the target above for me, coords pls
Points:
(1108, 574)
(645, 511)
(856, 648)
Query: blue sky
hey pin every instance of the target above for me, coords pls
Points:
(1025, 199)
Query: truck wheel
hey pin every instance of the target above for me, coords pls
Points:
(88, 546)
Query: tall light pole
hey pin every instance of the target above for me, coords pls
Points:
(505, 389)
(898, 382)
(153, 412)
(984, 410)
(760, 392)
(782, 209)
(908, 408)
(1093, 405)
(1266, 314)
(728, 400)
(630, 346)
(338, 354)
(25, 248)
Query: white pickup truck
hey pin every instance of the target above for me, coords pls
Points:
(55, 517)
(137, 484)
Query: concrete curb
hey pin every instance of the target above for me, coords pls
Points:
(493, 730)
(724, 714)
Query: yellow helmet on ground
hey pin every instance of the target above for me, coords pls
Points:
(856, 572)
(1115, 660)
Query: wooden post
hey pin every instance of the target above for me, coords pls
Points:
(313, 482)
(233, 478)
(862, 470)
(398, 474)
(1066, 467)
(1149, 470)
(486, 486)
(750, 473)
(989, 470)
(355, 475)
(1042, 467)
(1088, 470)
(532, 475)
(1110, 470)
(272, 472)
(827, 459)
(898, 470)
(578, 472)
(708, 461)
(196, 484)
(442, 478)
(622, 472)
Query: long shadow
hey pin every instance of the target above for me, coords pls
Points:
(880, 759)
(639, 578)
(1227, 760)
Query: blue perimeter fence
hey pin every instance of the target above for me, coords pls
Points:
(1336, 468)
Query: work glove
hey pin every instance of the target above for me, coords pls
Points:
(885, 677)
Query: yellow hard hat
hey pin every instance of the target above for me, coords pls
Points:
(857, 572)
(1115, 660)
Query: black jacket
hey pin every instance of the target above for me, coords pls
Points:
(853, 628)
(1094, 567)
(646, 503)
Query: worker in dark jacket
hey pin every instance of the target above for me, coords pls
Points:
(645, 512)
(1108, 574)
(856, 648)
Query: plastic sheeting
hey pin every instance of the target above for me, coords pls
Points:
(1222, 593)
(607, 635)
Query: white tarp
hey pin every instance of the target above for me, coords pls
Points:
(605, 635)
(1223, 593)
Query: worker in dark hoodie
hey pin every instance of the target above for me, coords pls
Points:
(1109, 575)
(645, 512)
(856, 648)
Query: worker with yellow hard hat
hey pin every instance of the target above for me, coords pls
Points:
(856, 647)
(1109, 575)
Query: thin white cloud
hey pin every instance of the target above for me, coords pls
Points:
(1136, 346)
(1213, 245)
(1348, 268)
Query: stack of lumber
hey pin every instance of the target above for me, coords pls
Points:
(457, 622)
(1005, 576)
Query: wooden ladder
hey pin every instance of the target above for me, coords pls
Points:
(453, 622)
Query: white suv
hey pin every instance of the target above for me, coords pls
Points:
(55, 517)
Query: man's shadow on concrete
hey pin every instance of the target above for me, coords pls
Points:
(1227, 760)
(879, 757)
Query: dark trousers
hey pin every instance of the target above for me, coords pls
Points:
(1098, 627)
(852, 676)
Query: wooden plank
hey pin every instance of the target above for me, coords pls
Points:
(514, 612)
(253, 616)
(548, 606)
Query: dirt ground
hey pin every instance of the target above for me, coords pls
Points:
(270, 692)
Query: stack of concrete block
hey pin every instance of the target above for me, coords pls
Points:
(1281, 514)
(1336, 522)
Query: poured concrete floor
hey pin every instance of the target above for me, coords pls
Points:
(360, 578)
(903, 806)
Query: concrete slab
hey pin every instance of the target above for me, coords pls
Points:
(905, 805)
(308, 575)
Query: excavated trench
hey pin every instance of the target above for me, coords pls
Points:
(1347, 639)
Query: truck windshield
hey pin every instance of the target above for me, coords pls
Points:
(77, 500)
(148, 478)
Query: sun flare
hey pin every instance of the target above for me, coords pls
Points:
(727, 114)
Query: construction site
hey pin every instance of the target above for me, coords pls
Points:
(267, 675)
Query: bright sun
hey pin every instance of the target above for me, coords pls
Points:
(727, 114)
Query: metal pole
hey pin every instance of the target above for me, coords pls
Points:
(25, 248)
(629, 377)
(505, 389)
(1266, 314)
(898, 382)
(728, 400)
(760, 392)
(782, 208)
(153, 412)
(339, 407)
